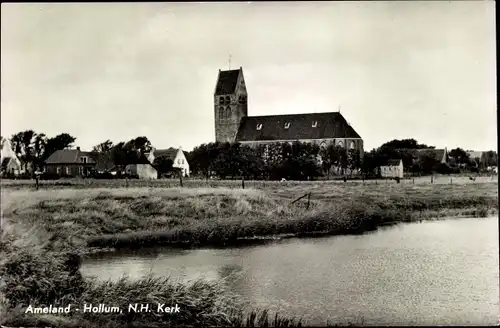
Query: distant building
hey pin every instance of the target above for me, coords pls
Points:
(440, 155)
(177, 156)
(478, 157)
(232, 123)
(10, 164)
(142, 169)
(392, 169)
(70, 163)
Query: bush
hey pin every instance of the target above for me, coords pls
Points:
(104, 175)
(49, 176)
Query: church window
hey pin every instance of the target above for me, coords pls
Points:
(228, 113)
(228, 99)
(221, 113)
(323, 145)
(341, 144)
(352, 145)
(287, 125)
(259, 126)
(221, 100)
(315, 124)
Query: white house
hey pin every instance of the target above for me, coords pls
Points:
(393, 169)
(175, 154)
(10, 164)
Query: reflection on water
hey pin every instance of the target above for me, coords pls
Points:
(442, 272)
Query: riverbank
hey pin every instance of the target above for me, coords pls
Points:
(136, 217)
(44, 229)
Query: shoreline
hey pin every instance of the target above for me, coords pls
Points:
(265, 239)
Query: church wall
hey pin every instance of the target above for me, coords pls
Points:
(358, 143)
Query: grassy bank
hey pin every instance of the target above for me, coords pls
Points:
(141, 216)
(43, 230)
(32, 275)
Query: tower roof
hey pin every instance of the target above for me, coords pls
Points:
(227, 82)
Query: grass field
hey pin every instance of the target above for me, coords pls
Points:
(43, 230)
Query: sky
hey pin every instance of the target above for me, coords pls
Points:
(98, 71)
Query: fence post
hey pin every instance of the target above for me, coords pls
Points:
(432, 179)
(451, 180)
(308, 200)
(243, 182)
(180, 178)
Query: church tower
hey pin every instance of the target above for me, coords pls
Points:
(230, 104)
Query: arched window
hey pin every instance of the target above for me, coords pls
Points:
(340, 143)
(228, 113)
(228, 100)
(221, 100)
(221, 113)
(352, 145)
(323, 145)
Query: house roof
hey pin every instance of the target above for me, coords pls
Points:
(418, 153)
(170, 153)
(227, 82)
(329, 125)
(393, 162)
(69, 156)
(438, 154)
(475, 154)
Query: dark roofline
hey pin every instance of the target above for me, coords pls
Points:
(332, 125)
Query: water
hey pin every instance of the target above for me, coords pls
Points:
(437, 272)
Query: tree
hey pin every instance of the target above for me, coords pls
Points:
(163, 164)
(142, 144)
(40, 145)
(459, 155)
(59, 142)
(368, 165)
(199, 160)
(23, 146)
(16, 142)
(331, 156)
(118, 154)
(353, 160)
(428, 163)
(405, 144)
(103, 147)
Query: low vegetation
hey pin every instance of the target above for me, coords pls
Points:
(45, 232)
(32, 275)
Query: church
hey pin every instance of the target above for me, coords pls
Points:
(232, 123)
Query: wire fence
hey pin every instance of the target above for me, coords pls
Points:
(238, 183)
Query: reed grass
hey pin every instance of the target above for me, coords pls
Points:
(222, 216)
(34, 276)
